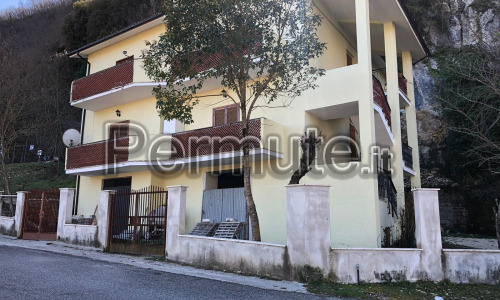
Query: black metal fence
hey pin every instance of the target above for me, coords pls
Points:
(407, 155)
(387, 190)
(138, 221)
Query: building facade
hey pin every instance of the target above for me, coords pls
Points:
(357, 107)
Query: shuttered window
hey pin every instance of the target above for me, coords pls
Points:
(121, 61)
(349, 59)
(119, 130)
(226, 115)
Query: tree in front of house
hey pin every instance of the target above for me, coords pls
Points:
(258, 50)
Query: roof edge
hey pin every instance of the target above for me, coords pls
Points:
(421, 40)
(117, 33)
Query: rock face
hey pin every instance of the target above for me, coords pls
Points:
(465, 22)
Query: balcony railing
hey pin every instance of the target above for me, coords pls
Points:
(403, 83)
(97, 154)
(387, 190)
(103, 81)
(214, 140)
(407, 155)
(381, 100)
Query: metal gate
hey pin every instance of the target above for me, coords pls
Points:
(41, 211)
(138, 221)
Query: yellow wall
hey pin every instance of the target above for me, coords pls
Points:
(352, 204)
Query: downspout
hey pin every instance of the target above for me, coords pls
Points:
(82, 130)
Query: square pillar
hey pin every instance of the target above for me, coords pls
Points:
(176, 219)
(411, 118)
(308, 226)
(103, 216)
(21, 199)
(428, 232)
(66, 196)
(391, 59)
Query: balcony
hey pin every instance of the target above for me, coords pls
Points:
(407, 159)
(387, 190)
(219, 145)
(380, 99)
(403, 84)
(97, 154)
(214, 140)
(103, 81)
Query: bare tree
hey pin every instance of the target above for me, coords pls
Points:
(16, 86)
(496, 212)
(469, 90)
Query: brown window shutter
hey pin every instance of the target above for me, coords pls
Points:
(121, 61)
(349, 59)
(219, 117)
(232, 114)
(119, 130)
(354, 154)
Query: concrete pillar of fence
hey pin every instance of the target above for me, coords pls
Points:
(428, 231)
(18, 218)
(308, 226)
(176, 219)
(66, 196)
(103, 215)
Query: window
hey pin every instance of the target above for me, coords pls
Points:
(127, 59)
(349, 59)
(119, 130)
(226, 115)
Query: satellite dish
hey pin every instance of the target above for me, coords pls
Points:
(71, 138)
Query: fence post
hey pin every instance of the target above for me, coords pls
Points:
(21, 199)
(176, 219)
(66, 196)
(428, 231)
(308, 230)
(1, 202)
(103, 216)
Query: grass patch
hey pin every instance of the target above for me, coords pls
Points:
(407, 290)
(37, 175)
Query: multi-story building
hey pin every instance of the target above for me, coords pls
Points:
(371, 49)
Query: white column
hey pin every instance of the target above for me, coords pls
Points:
(308, 226)
(391, 60)
(103, 216)
(428, 232)
(66, 197)
(411, 118)
(176, 219)
(21, 199)
(367, 206)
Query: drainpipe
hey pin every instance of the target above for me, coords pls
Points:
(82, 130)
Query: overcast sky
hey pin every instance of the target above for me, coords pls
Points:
(8, 3)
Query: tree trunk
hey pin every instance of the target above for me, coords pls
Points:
(252, 211)
(309, 145)
(7, 182)
(497, 221)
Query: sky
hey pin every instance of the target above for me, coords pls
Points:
(8, 3)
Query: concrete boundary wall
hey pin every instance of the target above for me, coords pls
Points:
(305, 207)
(7, 226)
(375, 265)
(472, 266)
(233, 255)
(85, 235)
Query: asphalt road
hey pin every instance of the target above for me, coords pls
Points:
(32, 274)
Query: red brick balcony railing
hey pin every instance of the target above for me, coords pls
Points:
(97, 154)
(103, 81)
(206, 141)
(403, 83)
(381, 100)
